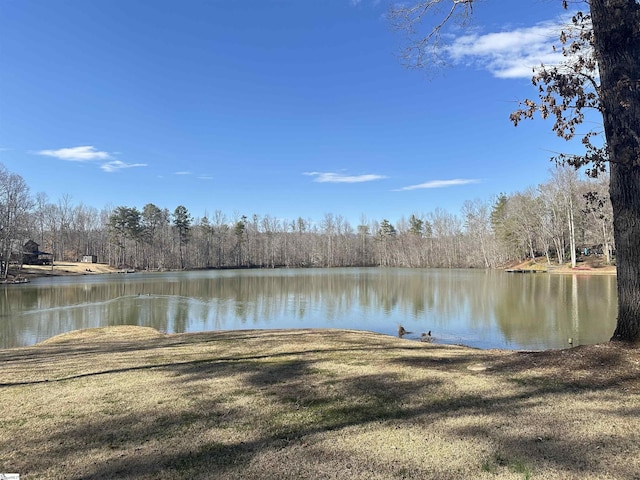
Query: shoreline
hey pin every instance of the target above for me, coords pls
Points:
(59, 269)
(585, 266)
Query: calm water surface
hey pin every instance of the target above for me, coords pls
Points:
(485, 309)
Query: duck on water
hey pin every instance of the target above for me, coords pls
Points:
(424, 337)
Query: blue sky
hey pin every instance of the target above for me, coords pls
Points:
(285, 108)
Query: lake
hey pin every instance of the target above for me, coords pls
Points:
(479, 308)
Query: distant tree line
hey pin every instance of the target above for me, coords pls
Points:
(553, 220)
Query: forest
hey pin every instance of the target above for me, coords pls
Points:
(556, 220)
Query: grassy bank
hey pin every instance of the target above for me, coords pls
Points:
(27, 272)
(591, 265)
(587, 266)
(129, 402)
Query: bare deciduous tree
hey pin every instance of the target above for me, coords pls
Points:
(15, 206)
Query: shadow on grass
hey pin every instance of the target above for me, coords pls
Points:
(289, 398)
(366, 400)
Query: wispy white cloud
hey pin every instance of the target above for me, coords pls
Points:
(205, 177)
(89, 153)
(329, 177)
(76, 154)
(439, 184)
(117, 165)
(512, 53)
(184, 172)
(355, 3)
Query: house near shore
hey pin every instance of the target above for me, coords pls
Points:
(31, 254)
(89, 259)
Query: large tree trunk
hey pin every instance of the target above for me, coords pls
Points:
(616, 26)
(625, 197)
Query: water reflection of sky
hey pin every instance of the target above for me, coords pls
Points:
(472, 307)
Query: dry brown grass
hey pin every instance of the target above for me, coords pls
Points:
(129, 402)
(63, 268)
(591, 265)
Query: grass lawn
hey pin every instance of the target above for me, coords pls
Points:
(130, 402)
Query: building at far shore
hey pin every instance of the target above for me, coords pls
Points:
(31, 254)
